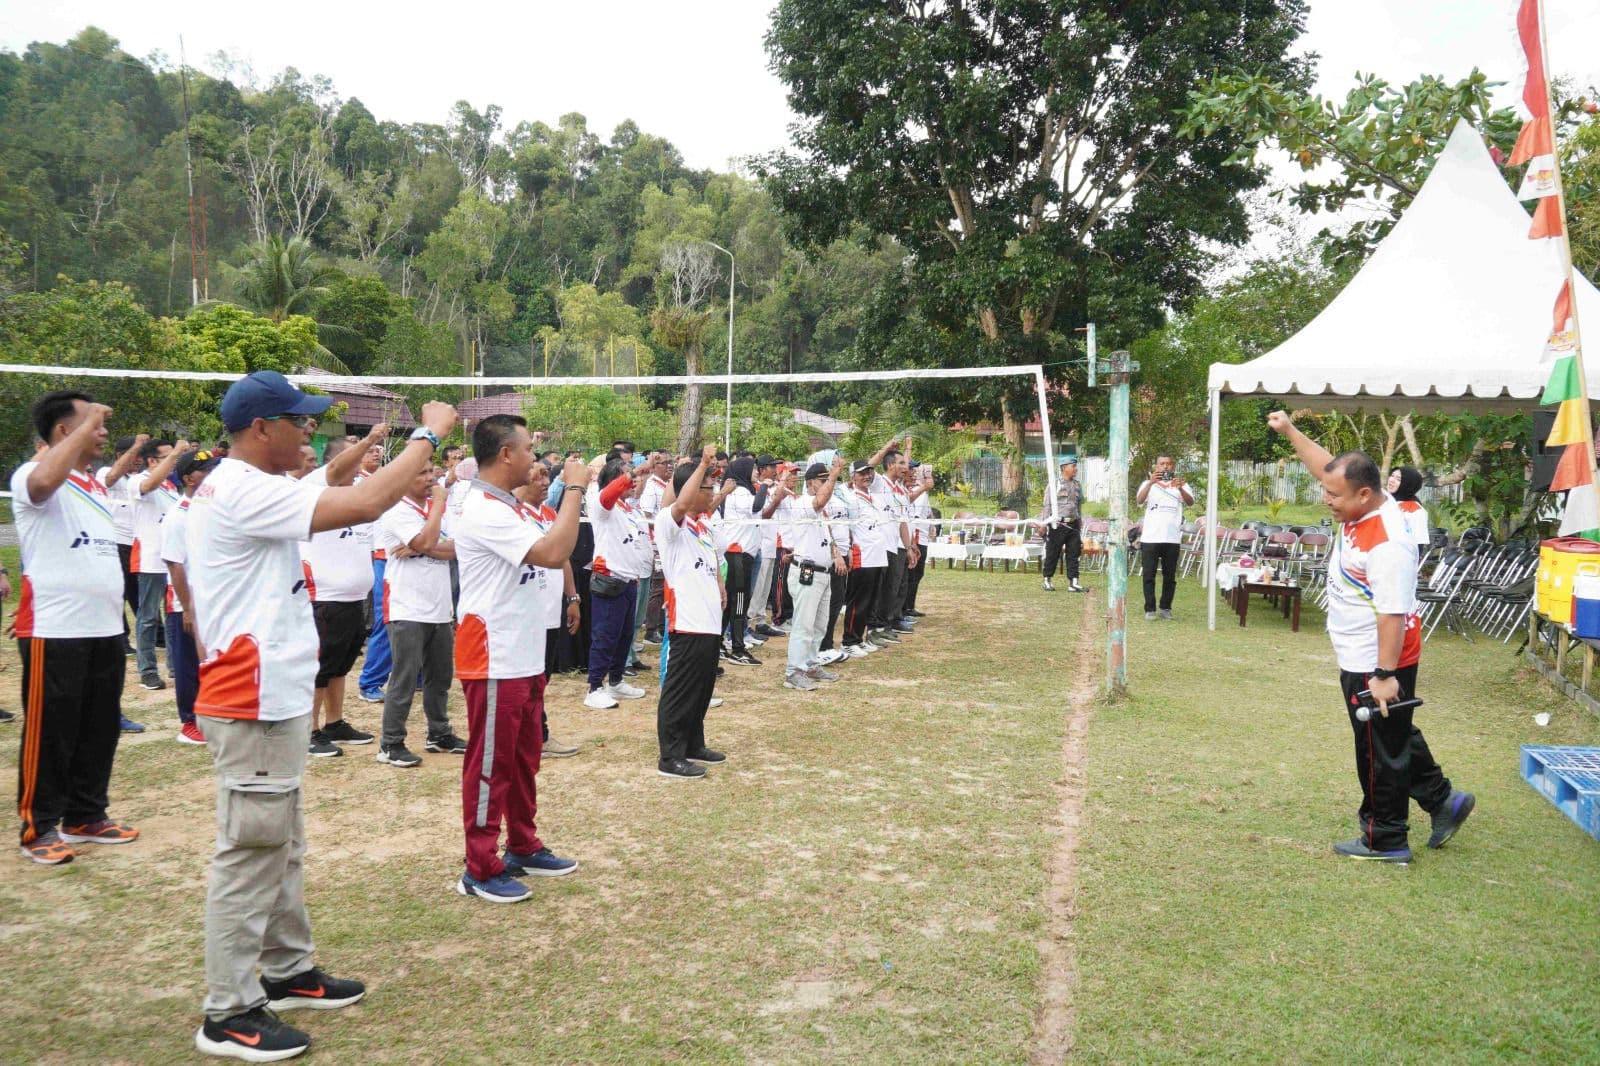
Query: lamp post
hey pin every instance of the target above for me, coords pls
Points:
(727, 429)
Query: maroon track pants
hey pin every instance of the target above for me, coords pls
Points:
(505, 737)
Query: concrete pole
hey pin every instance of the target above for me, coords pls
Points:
(1117, 561)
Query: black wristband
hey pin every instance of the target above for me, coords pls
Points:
(1381, 674)
(572, 488)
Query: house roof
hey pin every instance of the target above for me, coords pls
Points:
(481, 407)
(367, 405)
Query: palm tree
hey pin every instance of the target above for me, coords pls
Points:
(280, 278)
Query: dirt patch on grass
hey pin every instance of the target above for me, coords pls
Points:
(1053, 1028)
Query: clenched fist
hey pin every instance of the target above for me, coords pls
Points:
(1280, 422)
(439, 417)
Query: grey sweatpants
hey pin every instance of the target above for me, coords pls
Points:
(426, 648)
(256, 904)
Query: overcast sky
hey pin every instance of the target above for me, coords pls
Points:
(694, 71)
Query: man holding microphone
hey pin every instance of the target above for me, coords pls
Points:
(1377, 640)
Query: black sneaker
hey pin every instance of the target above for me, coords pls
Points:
(313, 990)
(342, 732)
(7, 716)
(397, 755)
(254, 1036)
(707, 756)
(631, 670)
(1449, 817)
(765, 630)
(743, 658)
(1357, 849)
(450, 744)
(679, 768)
(653, 639)
(151, 681)
(321, 746)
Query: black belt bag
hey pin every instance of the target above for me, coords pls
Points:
(606, 586)
(809, 571)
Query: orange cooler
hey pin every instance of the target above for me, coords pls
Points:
(1561, 560)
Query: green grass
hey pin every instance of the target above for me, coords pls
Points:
(862, 880)
(1215, 923)
(865, 880)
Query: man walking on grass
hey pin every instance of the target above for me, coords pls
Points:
(1063, 531)
(1377, 640)
(253, 617)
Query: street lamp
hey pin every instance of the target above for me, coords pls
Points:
(727, 429)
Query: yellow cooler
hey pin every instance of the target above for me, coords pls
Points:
(1561, 560)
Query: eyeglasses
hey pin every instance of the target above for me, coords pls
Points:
(299, 421)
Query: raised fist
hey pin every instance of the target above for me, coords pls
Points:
(574, 472)
(1280, 422)
(439, 417)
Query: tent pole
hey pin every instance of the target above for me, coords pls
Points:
(1210, 531)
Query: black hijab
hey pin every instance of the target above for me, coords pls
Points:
(1410, 482)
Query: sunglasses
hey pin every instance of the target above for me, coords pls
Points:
(299, 421)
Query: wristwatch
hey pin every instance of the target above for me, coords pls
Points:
(1381, 674)
(424, 433)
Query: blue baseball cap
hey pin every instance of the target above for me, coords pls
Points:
(267, 394)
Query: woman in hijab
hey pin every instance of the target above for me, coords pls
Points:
(1404, 481)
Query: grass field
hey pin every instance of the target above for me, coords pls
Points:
(875, 876)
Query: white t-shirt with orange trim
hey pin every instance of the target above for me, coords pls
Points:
(252, 608)
(338, 562)
(869, 530)
(149, 511)
(1372, 570)
(1416, 517)
(416, 588)
(71, 573)
(691, 595)
(121, 504)
(621, 537)
(175, 548)
(552, 589)
(738, 533)
(502, 612)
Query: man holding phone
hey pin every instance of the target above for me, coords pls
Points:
(1163, 495)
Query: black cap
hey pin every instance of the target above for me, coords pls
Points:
(196, 459)
(860, 465)
(816, 470)
(765, 460)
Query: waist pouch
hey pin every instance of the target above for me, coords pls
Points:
(606, 586)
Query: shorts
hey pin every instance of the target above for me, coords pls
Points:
(341, 634)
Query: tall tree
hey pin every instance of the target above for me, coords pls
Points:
(1025, 152)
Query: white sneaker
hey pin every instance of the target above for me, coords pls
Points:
(716, 701)
(834, 655)
(624, 691)
(858, 651)
(599, 700)
(753, 641)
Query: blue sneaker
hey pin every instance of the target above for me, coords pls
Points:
(542, 863)
(372, 695)
(1357, 849)
(498, 889)
(1447, 819)
(130, 726)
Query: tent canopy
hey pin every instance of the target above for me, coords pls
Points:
(1451, 311)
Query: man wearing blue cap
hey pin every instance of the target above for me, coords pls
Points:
(254, 619)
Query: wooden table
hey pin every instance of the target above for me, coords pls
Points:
(1288, 598)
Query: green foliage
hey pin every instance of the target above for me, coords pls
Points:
(590, 417)
(412, 348)
(1384, 139)
(94, 324)
(249, 343)
(353, 316)
(763, 428)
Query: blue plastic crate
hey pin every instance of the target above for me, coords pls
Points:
(1569, 778)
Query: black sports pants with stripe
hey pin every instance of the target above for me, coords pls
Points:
(72, 703)
(690, 665)
(1393, 764)
(861, 597)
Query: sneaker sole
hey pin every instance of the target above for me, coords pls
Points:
(227, 1049)
(402, 764)
(185, 740)
(621, 696)
(679, 777)
(464, 889)
(73, 838)
(1392, 861)
(335, 753)
(151, 688)
(313, 1002)
(601, 706)
(355, 742)
(1466, 809)
(708, 762)
(446, 751)
(31, 857)
(529, 872)
(558, 754)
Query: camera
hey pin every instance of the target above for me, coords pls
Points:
(1165, 475)
(1368, 707)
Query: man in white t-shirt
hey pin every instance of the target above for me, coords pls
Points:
(153, 496)
(183, 656)
(119, 484)
(919, 489)
(658, 467)
(815, 555)
(506, 559)
(622, 556)
(253, 617)
(1377, 641)
(869, 557)
(694, 601)
(420, 617)
(69, 635)
(338, 571)
(1163, 495)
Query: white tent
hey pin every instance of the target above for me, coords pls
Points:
(1451, 312)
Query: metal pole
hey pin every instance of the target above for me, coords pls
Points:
(1117, 570)
(727, 428)
(1210, 530)
(1049, 446)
